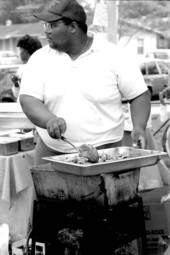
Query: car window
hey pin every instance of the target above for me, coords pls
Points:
(152, 68)
(158, 54)
(161, 55)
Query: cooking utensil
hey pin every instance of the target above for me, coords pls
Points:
(65, 140)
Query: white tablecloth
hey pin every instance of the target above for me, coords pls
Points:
(17, 193)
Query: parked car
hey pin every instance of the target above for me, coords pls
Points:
(163, 54)
(9, 58)
(155, 73)
(6, 71)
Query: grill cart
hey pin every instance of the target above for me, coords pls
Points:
(91, 208)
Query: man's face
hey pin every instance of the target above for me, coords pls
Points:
(57, 34)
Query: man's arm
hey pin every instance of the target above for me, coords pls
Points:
(165, 93)
(140, 108)
(40, 116)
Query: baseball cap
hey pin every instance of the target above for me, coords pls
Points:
(58, 9)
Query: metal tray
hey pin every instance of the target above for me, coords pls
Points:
(137, 158)
(8, 146)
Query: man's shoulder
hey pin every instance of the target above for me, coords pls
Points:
(45, 49)
(44, 53)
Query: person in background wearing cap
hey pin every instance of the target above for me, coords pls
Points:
(27, 45)
(74, 86)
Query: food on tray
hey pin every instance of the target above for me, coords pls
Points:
(83, 158)
(77, 160)
(104, 157)
(89, 152)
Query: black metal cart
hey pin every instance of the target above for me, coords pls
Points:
(92, 230)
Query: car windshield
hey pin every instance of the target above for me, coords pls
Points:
(165, 67)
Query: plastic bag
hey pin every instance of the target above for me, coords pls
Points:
(163, 113)
(4, 239)
(164, 245)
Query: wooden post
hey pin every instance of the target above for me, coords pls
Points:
(112, 6)
(111, 16)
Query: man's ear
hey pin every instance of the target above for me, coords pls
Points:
(73, 26)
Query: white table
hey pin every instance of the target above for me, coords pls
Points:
(17, 193)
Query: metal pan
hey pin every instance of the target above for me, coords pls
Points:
(136, 158)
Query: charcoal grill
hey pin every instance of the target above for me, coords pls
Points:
(100, 200)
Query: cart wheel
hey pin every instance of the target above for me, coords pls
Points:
(166, 140)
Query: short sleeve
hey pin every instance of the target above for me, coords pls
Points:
(32, 78)
(130, 79)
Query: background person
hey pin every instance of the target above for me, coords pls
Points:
(74, 86)
(165, 93)
(27, 46)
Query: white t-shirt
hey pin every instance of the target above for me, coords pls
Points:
(86, 92)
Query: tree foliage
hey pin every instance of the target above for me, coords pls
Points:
(152, 14)
(138, 9)
(147, 11)
(20, 11)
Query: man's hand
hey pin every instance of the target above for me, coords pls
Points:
(56, 127)
(139, 138)
(165, 93)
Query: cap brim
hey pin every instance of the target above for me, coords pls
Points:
(47, 16)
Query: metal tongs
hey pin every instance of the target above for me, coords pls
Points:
(65, 140)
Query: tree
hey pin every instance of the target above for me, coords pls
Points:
(148, 12)
(4, 10)
(152, 14)
(20, 11)
(28, 8)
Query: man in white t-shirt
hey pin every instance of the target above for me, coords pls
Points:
(74, 86)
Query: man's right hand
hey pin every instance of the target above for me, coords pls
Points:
(165, 93)
(56, 127)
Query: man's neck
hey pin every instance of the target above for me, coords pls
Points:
(81, 47)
